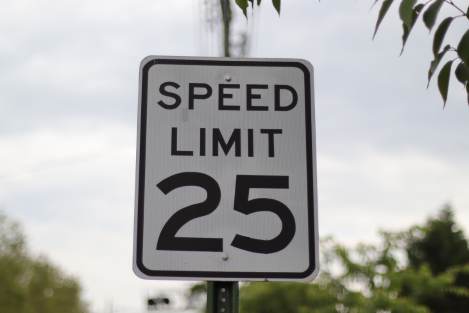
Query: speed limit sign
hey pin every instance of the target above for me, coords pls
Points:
(226, 170)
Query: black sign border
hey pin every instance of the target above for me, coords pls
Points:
(141, 154)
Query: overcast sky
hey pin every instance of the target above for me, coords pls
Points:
(388, 154)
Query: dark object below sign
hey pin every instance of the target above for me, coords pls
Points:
(157, 303)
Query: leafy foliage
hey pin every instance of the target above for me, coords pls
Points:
(441, 248)
(434, 64)
(408, 25)
(276, 4)
(382, 12)
(406, 11)
(440, 34)
(429, 17)
(443, 80)
(409, 12)
(32, 285)
(440, 244)
(462, 74)
(421, 270)
(243, 4)
(463, 48)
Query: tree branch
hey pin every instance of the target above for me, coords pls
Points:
(450, 2)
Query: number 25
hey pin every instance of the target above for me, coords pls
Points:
(168, 240)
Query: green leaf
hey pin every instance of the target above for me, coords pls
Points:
(382, 12)
(407, 29)
(462, 73)
(440, 34)
(443, 80)
(243, 4)
(253, 2)
(429, 17)
(406, 11)
(435, 62)
(463, 47)
(467, 92)
(276, 4)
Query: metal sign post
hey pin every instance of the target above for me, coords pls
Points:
(222, 297)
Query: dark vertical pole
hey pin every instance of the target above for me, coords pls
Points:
(222, 297)
(226, 19)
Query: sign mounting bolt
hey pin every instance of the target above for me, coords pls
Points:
(225, 257)
(227, 77)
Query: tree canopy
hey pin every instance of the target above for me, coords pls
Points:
(32, 284)
(440, 244)
(424, 269)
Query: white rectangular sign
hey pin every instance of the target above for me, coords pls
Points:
(226, 170)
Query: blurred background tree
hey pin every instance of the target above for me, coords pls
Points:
(424, 269)
(29, 284)
(439, 243)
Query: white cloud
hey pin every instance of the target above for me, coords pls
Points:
(371, 190)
